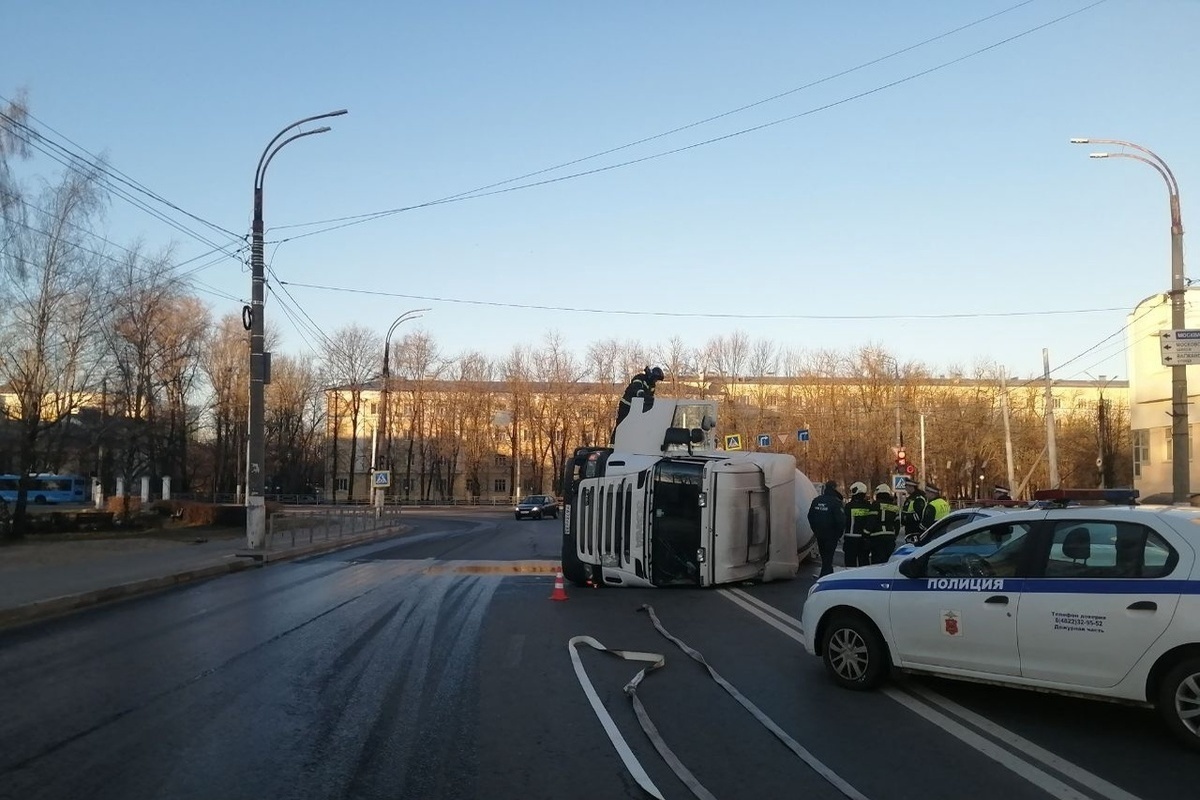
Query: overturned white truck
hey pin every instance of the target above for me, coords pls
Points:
(664, 507)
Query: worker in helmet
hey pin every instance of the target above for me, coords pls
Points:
(862, 517)
(917, 515)
(882, 542)
(642, 385)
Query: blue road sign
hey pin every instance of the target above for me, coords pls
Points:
(898, 482)
(802, 435)
(764, 440)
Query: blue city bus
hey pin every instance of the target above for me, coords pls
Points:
(45, 488)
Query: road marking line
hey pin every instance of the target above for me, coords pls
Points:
(786, 630)
(1017, 742)
(908, 697)
(1043, 780)
(767, 607)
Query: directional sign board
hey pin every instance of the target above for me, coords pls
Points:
(381, 478)
(1179, 347)
(764, 440)
(733, 441)
(802, 435)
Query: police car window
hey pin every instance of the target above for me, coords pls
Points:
(1103, 549)
(993, 552)
(955, 523)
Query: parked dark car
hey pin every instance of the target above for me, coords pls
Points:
(536, 506)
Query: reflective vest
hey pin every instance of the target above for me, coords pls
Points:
(862, 517)
(889, 517)
(940, 507)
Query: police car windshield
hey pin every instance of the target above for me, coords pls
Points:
(994, 551)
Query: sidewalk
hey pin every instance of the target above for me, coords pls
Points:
(40, 579)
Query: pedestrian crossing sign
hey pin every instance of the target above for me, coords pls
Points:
(898, 482)
(381, 478)
(733, 441)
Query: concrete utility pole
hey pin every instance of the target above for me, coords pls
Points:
(1180, 434)
(252, 320)
(1051, 445)
(1008, 450)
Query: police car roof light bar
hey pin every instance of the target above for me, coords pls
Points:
(1113, 496)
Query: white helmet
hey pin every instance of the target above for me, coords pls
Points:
(883, 488)
(858, 487)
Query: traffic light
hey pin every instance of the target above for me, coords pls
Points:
(902, 464)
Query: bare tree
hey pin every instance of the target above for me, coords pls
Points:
(352, 358)
(295, 417)
(50, 314)
(418, 362)
(225, 364)
(12, 145)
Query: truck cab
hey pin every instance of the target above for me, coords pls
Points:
(662, 506)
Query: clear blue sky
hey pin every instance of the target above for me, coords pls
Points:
(953, 192)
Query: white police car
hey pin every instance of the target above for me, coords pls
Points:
(1102, 601)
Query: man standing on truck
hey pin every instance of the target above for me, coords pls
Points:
(642, 386)
(827, 519)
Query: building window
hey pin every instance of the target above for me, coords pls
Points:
(1141, 451)
(374, 409)
(500, 485)
(501, 461)
(1171, 445)
(343, 484)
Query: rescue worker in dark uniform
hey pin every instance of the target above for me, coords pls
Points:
(917, 514)
(883, 541)
(642, 385)
(826, 517)
(862, 518)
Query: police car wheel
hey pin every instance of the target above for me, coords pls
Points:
(854, 653)
(1179, 701)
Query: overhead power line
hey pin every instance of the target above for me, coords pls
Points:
(94, 171)
(488, 191)
(699, 314)
(117, 175)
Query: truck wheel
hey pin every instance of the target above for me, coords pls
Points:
(1179, 701)
(854, 653)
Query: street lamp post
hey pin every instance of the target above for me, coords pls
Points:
(384, 422)
(256, 508)
(1180, 434)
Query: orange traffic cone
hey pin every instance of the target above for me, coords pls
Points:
(560, 591)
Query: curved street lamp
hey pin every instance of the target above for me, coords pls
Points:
(384, 422)
(256, 508)
(1180, 434)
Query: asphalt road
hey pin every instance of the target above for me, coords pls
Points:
(409, 669)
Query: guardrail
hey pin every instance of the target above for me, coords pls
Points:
(327, 522)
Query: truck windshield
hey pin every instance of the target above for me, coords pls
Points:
(676, 526)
